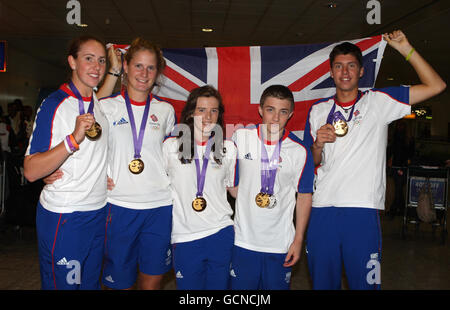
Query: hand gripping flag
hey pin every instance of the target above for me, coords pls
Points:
(242, 73)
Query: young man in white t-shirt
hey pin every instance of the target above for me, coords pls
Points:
(348, 135)
(273, 167)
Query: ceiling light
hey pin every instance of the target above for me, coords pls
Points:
(82, 25)
(390, 78)
(207, 29)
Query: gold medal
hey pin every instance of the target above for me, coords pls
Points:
(136, 166)
(199, 204)
(340, 127)
(262, 200)
(94, 132)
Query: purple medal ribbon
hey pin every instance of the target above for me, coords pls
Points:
(202, 174)
(74, 89)
(335, 116)
(269, 168)
(137, 141)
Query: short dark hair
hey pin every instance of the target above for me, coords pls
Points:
(277, 91)
(344, 49)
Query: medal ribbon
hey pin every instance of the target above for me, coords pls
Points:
(202, 174)
(269, 167)
(137, 141)
(334, 116)
(77, 94)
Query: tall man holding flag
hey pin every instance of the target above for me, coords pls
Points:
(348, 135)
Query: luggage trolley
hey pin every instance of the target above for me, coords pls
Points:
(417, 177)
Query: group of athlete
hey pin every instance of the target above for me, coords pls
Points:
(131, 193)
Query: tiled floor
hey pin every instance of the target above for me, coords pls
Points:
(417, 263)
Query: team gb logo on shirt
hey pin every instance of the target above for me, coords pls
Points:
(154, 122)
(357, 116)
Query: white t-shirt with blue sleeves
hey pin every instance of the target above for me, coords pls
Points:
(262, 229)
(83, 184)
(149, 189)
(352, 172)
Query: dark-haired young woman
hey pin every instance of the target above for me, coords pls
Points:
(201, 166)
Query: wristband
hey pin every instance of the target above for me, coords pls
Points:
(67, 145)
(73, 142)
(409, 54)
(115, 74)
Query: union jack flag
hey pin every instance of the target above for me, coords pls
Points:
(242, 73)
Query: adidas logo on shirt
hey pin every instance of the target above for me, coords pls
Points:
(121, 122)
(179, 275)
(62, 262)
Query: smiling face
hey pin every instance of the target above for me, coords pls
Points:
(88, 68)
(141, 73)
(346, 72)
(205, 115)
(275, 114)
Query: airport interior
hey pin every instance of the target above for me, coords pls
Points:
(34, 36)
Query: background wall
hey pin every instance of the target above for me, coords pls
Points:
(396, 71)
(441, 114)
(25, 76)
